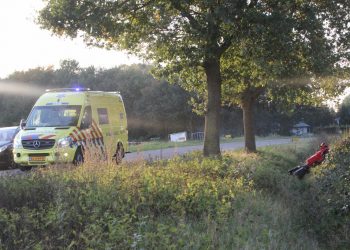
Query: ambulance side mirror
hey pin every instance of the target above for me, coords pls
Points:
(22, 123)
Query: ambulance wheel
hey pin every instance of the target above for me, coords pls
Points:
(78, 157)
(119, 153)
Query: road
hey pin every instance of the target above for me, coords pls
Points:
(162, 154)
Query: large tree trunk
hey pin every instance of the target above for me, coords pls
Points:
(248, 123)
(213, 117)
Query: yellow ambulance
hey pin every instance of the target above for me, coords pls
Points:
(65, 124)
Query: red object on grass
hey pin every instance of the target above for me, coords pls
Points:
(318, 157)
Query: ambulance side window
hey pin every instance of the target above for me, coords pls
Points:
(87, 118)
(102, 116)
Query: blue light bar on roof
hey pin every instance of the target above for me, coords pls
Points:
(68, 90)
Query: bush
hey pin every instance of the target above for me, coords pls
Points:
(99, 207)
(238, 201)
(330, 197)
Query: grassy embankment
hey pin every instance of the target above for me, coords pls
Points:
(237, 202)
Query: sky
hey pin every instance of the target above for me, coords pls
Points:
(23, 45)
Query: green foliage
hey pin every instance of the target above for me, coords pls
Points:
(280, 65)
(237, 201)
(183, 203)
(330, 199)
(314, 116)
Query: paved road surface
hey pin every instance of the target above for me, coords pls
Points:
(162, 154)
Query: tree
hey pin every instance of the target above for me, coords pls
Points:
(344, 111)
(180, 34)
(67, 74)
(314, 116)
(279, 61)
(295, 75)
(302, 68)
(177, 34)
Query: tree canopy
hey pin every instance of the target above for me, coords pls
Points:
(181, 34)
(175, 34)
(296, 74)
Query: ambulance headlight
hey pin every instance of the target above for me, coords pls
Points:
(65, 142)
(17, 143)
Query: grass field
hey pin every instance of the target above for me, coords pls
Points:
(238, 201)
(154, 145)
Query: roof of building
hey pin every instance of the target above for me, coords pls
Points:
(301, 125)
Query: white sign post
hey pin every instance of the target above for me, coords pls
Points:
(178, 137)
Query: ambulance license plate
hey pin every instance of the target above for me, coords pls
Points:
(37, 158)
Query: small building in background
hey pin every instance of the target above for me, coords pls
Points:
(301, 128)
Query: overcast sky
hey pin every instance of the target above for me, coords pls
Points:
(24, 45)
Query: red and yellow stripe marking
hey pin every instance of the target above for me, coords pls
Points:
(37, 137)
(46, 137)
(97, 129)
(76, 133)
(73, 136)
(81, 135)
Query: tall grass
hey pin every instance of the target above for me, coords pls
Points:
(238, 201)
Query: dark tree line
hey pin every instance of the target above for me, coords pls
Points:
(154, 107)
(344, 112)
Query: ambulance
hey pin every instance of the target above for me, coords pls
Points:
(65, 124)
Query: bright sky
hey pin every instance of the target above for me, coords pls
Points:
(23, 45)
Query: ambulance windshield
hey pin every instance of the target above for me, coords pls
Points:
(54, 116)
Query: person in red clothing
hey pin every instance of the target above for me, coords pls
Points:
(312, 161)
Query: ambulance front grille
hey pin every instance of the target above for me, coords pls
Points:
(38, 144)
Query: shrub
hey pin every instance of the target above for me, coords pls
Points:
(330, 196)
(101, 207)
(238, 201)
